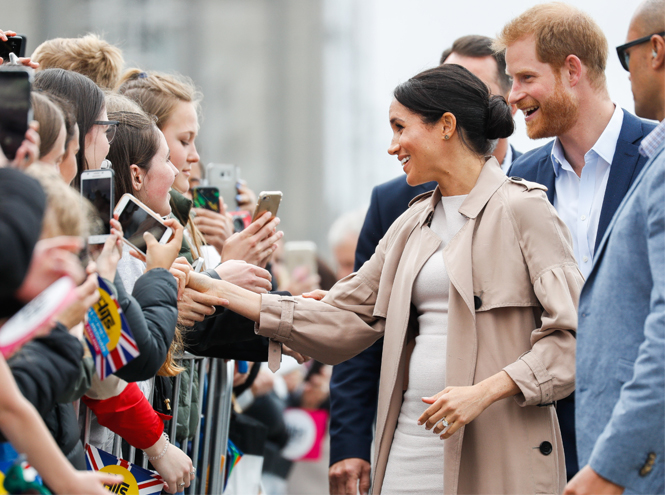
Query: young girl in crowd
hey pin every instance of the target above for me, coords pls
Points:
(52, 129)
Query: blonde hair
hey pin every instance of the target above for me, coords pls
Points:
(51, 121)
(67, 213)
(560, 30)
(158, 93)
(89, 55)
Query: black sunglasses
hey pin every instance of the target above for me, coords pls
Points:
(624, 56)
(111, 126)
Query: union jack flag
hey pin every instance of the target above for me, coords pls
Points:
(137, 479)
(108, 335)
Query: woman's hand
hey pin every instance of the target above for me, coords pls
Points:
(317, 294)
(180, 269)
(215, 227)
(87, 294)
(107, 261)
(244, 275)
(86, 483)
(256, 243)
(175, 467)
(162, 255)
(246, 198)
(461, 405)
(194, 306)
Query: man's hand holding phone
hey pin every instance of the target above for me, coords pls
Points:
(256, 243)
(161, 255)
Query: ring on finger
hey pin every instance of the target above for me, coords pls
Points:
(181, 484)
(445, 423)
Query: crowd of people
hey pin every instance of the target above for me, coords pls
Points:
(502, 329)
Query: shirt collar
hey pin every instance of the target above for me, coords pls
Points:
(604, 147)
(653, 141)
(508, 159)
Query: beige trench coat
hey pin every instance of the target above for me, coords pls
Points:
(513, 307)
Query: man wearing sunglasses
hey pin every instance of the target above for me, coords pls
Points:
(620, 408)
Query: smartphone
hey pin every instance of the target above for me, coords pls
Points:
(137, 219)
(241, 220)
(15, 107)
(97, 187)
(267, 201)
(15, 45)
(225, 178)
(300, 254)
(206, 197)
(198, 265)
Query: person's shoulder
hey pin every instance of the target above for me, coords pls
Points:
(529, 161)
(637, 127)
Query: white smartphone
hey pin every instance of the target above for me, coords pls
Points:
(300, 254)
(225, 178)
(97, 187)
(198, 265)
(137, 219)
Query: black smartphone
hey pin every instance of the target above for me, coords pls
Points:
(206, 197)
(15, 108)
(15, 45)
(97, 187)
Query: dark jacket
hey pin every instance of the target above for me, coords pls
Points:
(226, 335)
(536, 166)
(22, 205)
(354, 385)
(45, 370)
(152, 313)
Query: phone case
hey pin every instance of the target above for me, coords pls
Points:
(267, 201)
(122, 203)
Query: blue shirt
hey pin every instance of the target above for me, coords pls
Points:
(579, 200)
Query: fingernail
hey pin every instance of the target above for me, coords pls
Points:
(420, 422)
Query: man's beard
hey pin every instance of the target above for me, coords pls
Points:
(558, 115)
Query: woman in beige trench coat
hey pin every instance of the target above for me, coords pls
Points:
(514, 286)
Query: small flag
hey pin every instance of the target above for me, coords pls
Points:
(108, 335)
(233, 456)
(138, 481)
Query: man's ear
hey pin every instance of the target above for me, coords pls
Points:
(572, 70)
(137, 177)
(658, 52)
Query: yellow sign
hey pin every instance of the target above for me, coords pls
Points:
(2, 484)
(110, 318)
(127, 487)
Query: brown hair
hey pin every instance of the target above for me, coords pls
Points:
(560, 30)
(50, 119)
(89, 55)
(158, 94)
(477, 46)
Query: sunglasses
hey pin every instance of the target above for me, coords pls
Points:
(624, 56)
(111, 126)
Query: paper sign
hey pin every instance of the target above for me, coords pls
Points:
(108, 335)
(138, 481)
(36, 315)
(306, 430)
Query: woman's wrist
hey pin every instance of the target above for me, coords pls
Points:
(496, 387)
(158, 449)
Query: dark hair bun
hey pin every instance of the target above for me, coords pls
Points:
(500, 123)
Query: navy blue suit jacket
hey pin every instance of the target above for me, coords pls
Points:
(536, 165)
(354, 385)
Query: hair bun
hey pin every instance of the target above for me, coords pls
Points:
(500, 123)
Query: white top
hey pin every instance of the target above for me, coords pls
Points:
(415, 463)
(579, 200)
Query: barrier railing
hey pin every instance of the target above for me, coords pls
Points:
(208, 451)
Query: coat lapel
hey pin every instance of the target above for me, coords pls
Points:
(623, 170)
(545, 175)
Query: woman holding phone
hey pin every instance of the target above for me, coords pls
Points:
(473, 288)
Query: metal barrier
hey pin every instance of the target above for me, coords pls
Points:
(208, 451)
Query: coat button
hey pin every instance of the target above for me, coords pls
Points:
(477, 302)
(545, 448)
(514, 177)
(648, 465)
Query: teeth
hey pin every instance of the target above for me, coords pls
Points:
(530, 110)
(405, 159)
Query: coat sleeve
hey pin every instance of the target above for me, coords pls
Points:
(336, 328)
(152, 314)
(546, 373)
(47, 367)
(634, 433)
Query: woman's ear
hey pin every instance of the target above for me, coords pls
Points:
(448, 124)
(137, 177)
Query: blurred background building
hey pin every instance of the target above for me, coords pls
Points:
(297, 91)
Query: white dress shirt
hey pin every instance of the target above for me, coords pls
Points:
(579, 200)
